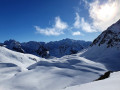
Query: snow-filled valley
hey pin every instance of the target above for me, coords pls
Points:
(27, 72)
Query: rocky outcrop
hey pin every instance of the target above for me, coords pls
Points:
(106, 75)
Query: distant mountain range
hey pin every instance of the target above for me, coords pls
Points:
(42, 49)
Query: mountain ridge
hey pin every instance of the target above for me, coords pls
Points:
(45, 50)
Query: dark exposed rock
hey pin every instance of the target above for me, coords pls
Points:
(43, 52)
(106, 75)
(1, 44)
(14, 45)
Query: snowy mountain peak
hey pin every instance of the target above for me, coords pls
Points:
(106, 48)
(115, 27)
(110, 37)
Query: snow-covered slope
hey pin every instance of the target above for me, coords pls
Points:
(45, 74)
(19, 59)
(111, 83)
(13, 62)
(106, 48)
(10, 58)
(42, 49)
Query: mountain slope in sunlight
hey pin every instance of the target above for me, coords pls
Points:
(106, 48)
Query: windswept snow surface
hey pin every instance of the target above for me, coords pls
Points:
(106, 48)
(110, 57)
(27, 72)
(13, 62)
(19, 59)
(111, 83)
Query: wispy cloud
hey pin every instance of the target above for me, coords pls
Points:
(56, 29)
(60, 24)
(86, 4)
(80, 23)
(77, 21)
(76, 33)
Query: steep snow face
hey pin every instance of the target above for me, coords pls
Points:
(42, 49)
(111, 83)
(106, 48)
(46, 74)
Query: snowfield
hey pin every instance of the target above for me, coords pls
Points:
(19, 59)
(28, 72)
(111, 83)
(110, 57)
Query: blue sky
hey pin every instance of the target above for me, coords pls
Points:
(50, 20)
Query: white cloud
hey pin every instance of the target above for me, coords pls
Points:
(60, 24)
(76, 33)
(48, 31)
(86, 26)
(77, 21)
(80, 23)
(104, 14)
(86, 4)
(56, 30)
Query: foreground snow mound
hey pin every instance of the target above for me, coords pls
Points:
(55, 74)
(12, 63)
(106, 48)
(111, 83)
(15, 58)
